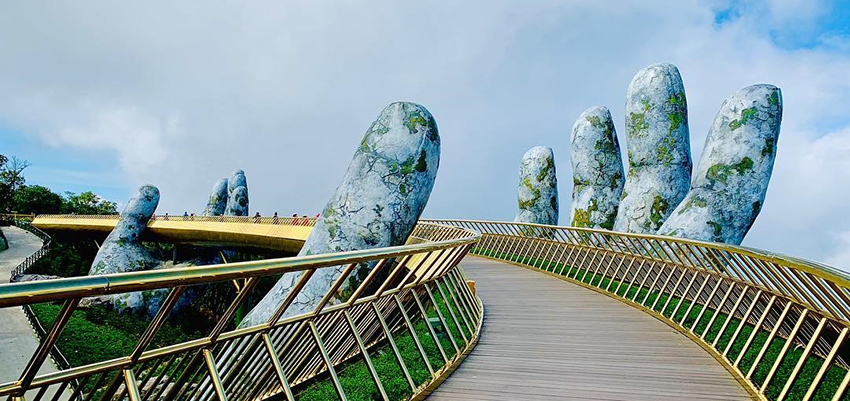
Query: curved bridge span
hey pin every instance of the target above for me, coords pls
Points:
(604, 315)
(280, 234)
(545, 339)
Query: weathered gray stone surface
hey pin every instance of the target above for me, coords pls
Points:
(237, 195)
(381, 197)
(537, 192)
(122, 251)
(731, 179)
(237, 203)
(218, 199)
(659, 149)
(237, 179)
(597, 170)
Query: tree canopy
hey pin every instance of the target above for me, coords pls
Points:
(87, 203)
(37, 199)
(16, 196)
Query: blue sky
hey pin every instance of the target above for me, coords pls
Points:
(828, 21)
(106, 97)
(62, 169)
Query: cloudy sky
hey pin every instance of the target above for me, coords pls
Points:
(108, 95)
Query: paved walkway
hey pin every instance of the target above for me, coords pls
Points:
(17, 340)
(545, 339)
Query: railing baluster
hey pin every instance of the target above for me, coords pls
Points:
(43, 349)
(802, 360)
(412, 330)
(695, 301)
(729, 317)
(755, 331)
(366, 358)
(827, 363)
(707, 305)
(663, 287)
(785, 347)
(132, 387)
(443, 320)
(389, 335)
(684, 297)
(428, 324)
(330, 365)
(744, 320)
(451, 309)
(769, 339)
(281, 375)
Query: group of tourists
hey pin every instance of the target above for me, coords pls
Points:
(296, 221)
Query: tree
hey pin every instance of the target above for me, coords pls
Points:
(87, 203)
(5, 190)
(36, 199)
(11, 179)
(12, 172)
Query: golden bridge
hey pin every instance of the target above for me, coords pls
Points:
(515, 311)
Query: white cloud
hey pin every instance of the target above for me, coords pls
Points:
(805, 213)
(138, 139)
(841, 255)
(185, 93)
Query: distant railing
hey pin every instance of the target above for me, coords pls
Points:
(407, 284)
(793, 342)
(291, 221)
(58, 358)
(13, 217)
(30, 260)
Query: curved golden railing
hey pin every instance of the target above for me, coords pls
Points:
(406, 284)
(792, 344)
(290, 221)
(13, 217)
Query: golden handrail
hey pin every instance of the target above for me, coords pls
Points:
(695, 286)
(292, 221)
(278, 354)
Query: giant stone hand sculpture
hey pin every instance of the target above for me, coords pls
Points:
(538, 187)
(730, 183)
(237, 203)
(218, 199)
(122, 249)
(659, 149)
(378, 203)
(237, 195)
(731, 179)
(597, 170)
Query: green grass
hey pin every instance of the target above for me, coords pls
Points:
(66, 259)
(98, 334)
(356, 380)
(829, 384)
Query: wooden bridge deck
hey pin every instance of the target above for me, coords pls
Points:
(545, 338)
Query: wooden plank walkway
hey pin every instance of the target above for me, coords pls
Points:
(545, 339)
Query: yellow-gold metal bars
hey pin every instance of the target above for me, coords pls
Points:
(408, 284)
(795, 313)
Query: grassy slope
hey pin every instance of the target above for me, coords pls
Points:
(98, 334)
(358, 383)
